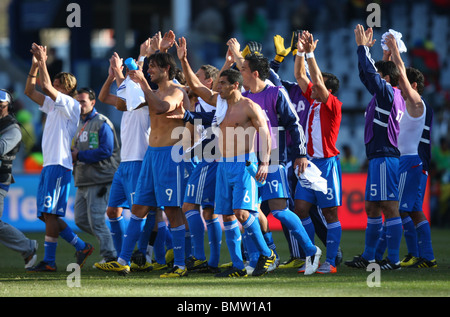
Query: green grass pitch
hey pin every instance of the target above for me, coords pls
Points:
(282, 283)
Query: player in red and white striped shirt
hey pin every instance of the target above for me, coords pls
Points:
(322, 129)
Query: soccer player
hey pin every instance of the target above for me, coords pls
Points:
(10, 137)
(414, 143)
(134, 134)
(322, 129)
(301, 105)
(63, 114)
(281, 117)
(382, 124)
(200, 188)
(236, 193)
(161, 176)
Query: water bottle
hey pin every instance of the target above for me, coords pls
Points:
(131, 64)
(253, 169)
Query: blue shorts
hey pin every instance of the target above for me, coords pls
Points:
(124, 184)
(53, 190)
(276, 184)
(331, 171)
(382, 179)
(235, 187)
(201, 185)
(160, 181)
(412, 183)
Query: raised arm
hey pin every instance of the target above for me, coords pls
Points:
(316, 75)
(30, 86)
(116, 64)
(40, 52)
(106, 97)
(234, 47)
(229, 61)
(192, 80)
(167, 41)
(368, 72)
(299, 66)
(415, 105)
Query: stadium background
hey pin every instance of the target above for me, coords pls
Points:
(121, 26)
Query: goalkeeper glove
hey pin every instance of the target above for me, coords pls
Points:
(280, 50)
(294, 41)
(252, 47)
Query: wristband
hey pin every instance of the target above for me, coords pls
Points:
(141, 58)
(188, 116)
(279, 58)
(301, 54)
(309, 55)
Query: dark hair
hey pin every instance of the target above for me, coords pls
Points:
(89, 91)
(388, 68)
(415, 76)
(165, 60)
(233, 76)
(179, 76)
(332, 82)
(258, 63)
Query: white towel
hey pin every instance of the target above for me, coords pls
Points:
(398, 37)
(203, 106)
(221, 111)
(311, 178)
(132, 93)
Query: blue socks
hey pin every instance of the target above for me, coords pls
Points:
(418, 240)
(146, 231)
(381, 245)
(135, 226)
(159, 249)
(297, 229)
(70, 236)
(117, 227)
(424, 240)
(393, 238)
(269, 241)
(233, 239)
(179, 245)
(251, 225)
(410, 234)
(197, 231)
(251, 251)
(309, 227)
(334, 233)
(373, 232)
(50, 246)
(215, 241)
(50, 252)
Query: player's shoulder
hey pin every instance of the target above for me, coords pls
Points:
(247, 102)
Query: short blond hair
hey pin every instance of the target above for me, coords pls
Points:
(68, 81)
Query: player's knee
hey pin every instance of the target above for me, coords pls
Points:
(113, 212)
(208, 213)
(188, 207)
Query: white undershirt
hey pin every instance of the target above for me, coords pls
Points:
(410, 133)
(61, 124)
